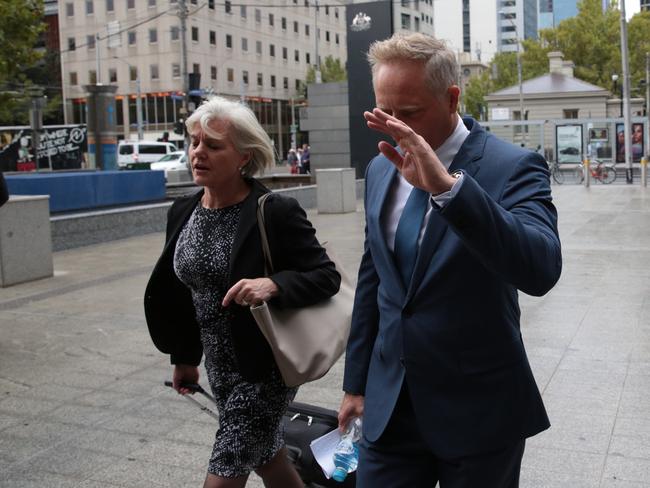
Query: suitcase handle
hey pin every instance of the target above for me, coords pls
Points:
(309, 418)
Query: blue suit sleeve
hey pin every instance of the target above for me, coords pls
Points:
(516, 238)
(365, 319)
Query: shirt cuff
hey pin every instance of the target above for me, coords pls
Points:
(444, 198)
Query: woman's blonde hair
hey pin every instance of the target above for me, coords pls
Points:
(439, 61)
(246, 133)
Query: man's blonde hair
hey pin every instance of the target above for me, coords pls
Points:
(439, 61)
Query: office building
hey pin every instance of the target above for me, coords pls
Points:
(516, 20)
(259, 53)
(468, 26)
(645, 4)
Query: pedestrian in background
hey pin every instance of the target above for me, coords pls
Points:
(292, 161)
(305, 162)
(456, 222)
(212, 269)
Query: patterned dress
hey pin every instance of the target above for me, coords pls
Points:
(250, 414)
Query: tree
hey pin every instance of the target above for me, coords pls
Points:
(591, 40)
(331, 70)
(21, 24)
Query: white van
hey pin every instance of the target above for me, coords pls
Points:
(129, 152)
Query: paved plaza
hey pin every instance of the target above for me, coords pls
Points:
(82, 402)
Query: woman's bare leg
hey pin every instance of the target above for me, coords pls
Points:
(213, 481)
(279, 472)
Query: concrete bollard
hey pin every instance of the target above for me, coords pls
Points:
(586, 172)
(25, 240)
(336, 190)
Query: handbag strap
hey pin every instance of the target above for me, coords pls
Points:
(261, 224)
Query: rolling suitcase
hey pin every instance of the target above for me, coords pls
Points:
(302, 423)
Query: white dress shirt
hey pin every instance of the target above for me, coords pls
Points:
(401, 189)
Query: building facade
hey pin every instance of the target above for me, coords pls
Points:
(259, 53)
(645, 4)
(516, 20)
(468, 26)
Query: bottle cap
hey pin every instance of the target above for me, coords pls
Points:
(339, 474)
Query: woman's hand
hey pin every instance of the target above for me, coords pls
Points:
(251, 292)
(184, 374)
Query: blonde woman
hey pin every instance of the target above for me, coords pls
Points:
(210, 272)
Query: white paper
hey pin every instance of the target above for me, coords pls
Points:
(323, 449)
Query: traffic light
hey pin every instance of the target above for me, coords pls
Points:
(179, 127)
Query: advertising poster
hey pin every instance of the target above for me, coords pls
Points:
(637, 142)
(568, 143)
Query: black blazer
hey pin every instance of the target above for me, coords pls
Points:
(4, 192)
(303, 272)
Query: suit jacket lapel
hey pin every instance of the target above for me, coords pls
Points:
(380, 250)
(182, 212)
(467, 159)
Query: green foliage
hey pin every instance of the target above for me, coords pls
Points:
(21, 23)
(331, 70)
(591, 40)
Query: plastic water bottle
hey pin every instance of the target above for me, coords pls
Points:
(346, 454)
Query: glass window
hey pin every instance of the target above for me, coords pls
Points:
(306, 29)
(258, 47)
(69, 9)
(131, 37)
(147, 149)
(327, 36)
(153, 70)
(152, 3)
(272, 50)
(244, 77)
(71, 44)
(285, 83)
(295, 26)
(213, 72)
(153, 36)
(211, 4)
(175, 33)
(92, 76)
(231, 75)
(307, 58)
(258, 15)
(196, 68)
(130, 4)
(271, 19)
(176, 70)
(272, 81)
(228, 7)
(296, 56)
(195, 34)
(284, 53)
(242, 11)
(133, 73)
(90, 41)
(244, 44)
(73, 78)
(110, 6)
(260, 79)
(90, 7)
(336, 37)
(213, 38)
(284, 23)
(229, 41)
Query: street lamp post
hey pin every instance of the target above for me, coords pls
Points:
(138, 99)
(519, 77)
(616, 92)
(627, 112)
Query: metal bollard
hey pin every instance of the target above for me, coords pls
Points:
(586, 172)
(644, 171)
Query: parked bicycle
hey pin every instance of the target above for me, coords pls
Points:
(605, 173)
(599, 171)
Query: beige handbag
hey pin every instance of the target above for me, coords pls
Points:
(306, 341)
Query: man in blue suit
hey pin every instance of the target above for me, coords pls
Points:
(456, 222)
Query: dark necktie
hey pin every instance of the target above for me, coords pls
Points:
(408, 231)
